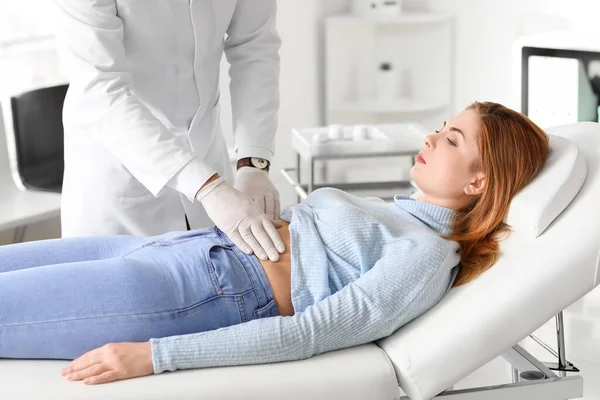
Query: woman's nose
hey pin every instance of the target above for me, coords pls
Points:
(428, 141)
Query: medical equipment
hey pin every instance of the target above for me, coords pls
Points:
(387, 82)
(539, 59)
(353, 141)
(377, 8)
(539, 274)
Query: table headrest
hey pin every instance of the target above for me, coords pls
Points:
(534, 208)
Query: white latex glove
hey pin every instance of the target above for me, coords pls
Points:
(256, 184)
(242, 220)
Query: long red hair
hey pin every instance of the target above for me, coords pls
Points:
(512, 151)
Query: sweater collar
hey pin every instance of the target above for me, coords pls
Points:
(435, 217)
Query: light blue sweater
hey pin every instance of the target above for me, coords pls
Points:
(360, 270)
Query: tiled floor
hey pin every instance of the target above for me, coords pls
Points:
(582, 336)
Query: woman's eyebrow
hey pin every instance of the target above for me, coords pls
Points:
(459, 131)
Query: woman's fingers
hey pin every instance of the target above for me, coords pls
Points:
(88, 359)
(94, 370)
(108, 376)
(112, 362)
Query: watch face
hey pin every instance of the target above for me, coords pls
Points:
(260, 163)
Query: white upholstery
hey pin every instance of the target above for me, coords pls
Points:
(359, 373)
(540, 202)
(535, 279)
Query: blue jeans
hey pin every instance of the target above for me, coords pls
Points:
(61, 298)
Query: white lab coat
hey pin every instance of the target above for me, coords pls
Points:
(141, 116)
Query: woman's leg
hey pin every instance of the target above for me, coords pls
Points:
(171, 286)
(60, 251)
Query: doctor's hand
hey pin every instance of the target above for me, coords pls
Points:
(241, 219)
(256, 184)
(111, 362)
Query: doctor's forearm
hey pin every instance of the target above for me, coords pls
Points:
(252, 49)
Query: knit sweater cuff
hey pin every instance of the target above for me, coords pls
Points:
(161, 357)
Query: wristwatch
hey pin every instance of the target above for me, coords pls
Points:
(254, 162)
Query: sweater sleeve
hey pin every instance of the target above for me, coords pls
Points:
(363, 311)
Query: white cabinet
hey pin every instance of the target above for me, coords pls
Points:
(419, 47)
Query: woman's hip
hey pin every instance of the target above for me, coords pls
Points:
(174, 284)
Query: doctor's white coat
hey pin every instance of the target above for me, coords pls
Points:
(141, 116)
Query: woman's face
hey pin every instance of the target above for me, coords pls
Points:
(444, 169)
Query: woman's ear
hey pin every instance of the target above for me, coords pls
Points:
(477, 185)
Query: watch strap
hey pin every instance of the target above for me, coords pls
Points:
(247, 162)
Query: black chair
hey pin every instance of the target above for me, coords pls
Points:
(37, 151)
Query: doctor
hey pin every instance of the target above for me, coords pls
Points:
(143, 145)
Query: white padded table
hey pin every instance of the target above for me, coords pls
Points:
(359, 373)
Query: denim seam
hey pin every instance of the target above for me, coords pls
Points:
(223, 296)
(249, 279)
(211, 271)
(242, 308)
(258, 314)
(235, 296)
(140, 248)
(224, 239)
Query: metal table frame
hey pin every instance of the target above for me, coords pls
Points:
(302, 190)
(531, 378)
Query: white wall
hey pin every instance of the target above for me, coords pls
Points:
(486, 30)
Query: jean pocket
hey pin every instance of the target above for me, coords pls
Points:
(270, 310)
(229, 271)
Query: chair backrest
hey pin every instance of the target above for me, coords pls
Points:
(37, 151)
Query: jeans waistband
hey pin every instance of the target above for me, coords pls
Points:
(255, 271)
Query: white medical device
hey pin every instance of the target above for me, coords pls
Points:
(538, 61)
(377, 8)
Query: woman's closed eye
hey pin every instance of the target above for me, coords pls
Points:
(450, 142)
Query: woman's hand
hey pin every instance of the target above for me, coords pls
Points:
(111, 362)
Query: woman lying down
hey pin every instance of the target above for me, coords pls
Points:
(354, 270)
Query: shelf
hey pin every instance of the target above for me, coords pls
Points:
(24, 46)
(406, 18)
(400, 106)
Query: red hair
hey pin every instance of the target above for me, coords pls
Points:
(512, 151)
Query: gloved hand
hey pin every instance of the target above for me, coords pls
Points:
(256, 184)
(242, 220)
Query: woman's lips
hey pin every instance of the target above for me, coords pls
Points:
(419, 159)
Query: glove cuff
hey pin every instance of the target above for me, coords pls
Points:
(209, 188)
